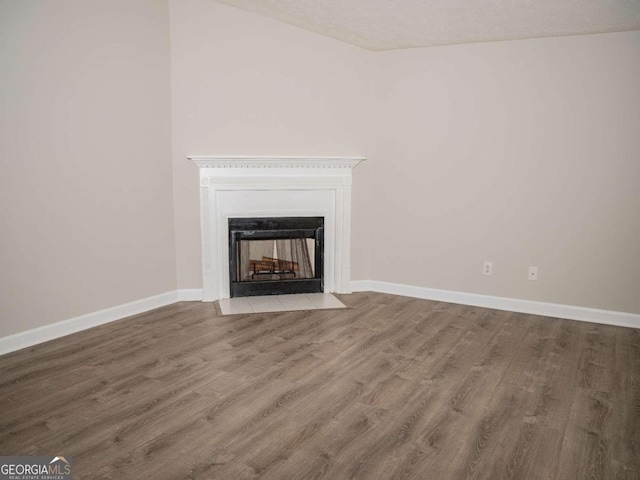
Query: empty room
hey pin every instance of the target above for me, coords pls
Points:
(272, 239)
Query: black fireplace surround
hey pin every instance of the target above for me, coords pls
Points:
(276, 255)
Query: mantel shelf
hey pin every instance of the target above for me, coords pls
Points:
(209, 161)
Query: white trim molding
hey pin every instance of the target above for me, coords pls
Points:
(52, 331)
(207, 161)
(45, 333)
(190, 295)
(570, 312)
(242, 187)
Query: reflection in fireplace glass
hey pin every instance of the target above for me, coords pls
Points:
(281, 259)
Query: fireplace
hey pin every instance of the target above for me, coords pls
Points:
(241, 188)
(276, 255)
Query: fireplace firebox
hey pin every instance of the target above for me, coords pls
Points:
(276, 255)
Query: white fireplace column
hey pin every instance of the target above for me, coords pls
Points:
(245, 187)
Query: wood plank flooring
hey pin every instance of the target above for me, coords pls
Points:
(391, 388)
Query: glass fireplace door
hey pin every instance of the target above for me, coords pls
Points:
(276, 255)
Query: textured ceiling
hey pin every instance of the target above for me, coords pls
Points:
(389, 24)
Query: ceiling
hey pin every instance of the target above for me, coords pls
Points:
(394, 24)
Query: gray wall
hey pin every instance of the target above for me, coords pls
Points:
(85, 187)
(523, 153)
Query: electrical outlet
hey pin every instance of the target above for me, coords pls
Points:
(533, 273)
(488, 268)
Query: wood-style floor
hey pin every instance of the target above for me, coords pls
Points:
(391, 388)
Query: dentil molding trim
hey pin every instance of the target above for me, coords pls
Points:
(242, 161)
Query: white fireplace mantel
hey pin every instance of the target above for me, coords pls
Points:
(243, 186)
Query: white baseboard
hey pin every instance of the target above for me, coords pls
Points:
(606, 317)
(190, 295)
(60, 329)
